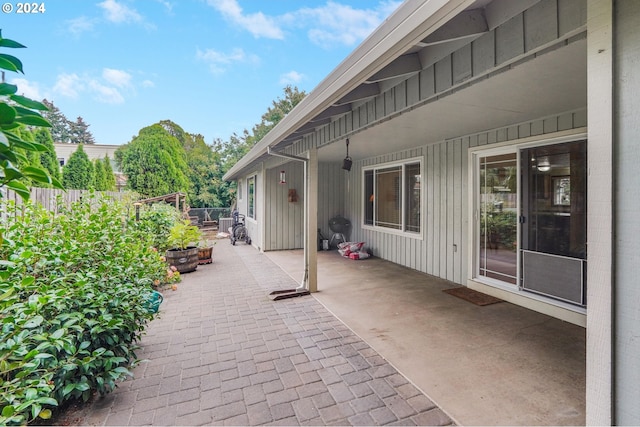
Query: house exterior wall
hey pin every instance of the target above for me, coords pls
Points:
(332, 193)
(626, 219)
(442, 249)
(284, 219)
(254, 225)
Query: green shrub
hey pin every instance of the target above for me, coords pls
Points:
(183, 234)
(155, 222)
(72, 294)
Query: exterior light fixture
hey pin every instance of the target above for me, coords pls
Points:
(544, 165)
(137, 205)
(283, 177)
(346, 163)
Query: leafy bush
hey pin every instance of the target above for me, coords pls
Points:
(182, 234)
(72, 304)
(156, 221)
(16, 112)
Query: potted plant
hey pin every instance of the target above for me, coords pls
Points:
(183, 252)
(205, 251)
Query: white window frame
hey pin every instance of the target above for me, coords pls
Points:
(402, 231)
(240, 192)
(252, 179)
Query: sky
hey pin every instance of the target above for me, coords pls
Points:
(211, 66)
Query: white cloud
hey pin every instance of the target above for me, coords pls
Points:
(105, 94)
(340, 24)
(80, 25)
(28, 89)
(257, 24)
(68, 85)
(117, 77)
(119, 13)
(167, 5)
(219, 61)
(106, 88)
(292, 77)
(148, 83)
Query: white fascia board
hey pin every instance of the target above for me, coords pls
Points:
(409, 24)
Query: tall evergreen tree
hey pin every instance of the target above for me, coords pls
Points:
(154, 162)
(60, 130)
(48, 159)
(79, 132)
(78, 172)
(99, 176)
(110, 178)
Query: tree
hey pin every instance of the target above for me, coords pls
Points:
(154, 162)
(60, 130)
(78, 172)
(278, 110)
(17, 111)
(79, 132)
(99, 175)
(227, 153)
(200, 164)
(110, 178)
(48, 159)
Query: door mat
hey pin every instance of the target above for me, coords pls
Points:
(478, 298)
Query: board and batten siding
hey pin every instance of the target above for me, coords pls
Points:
(284, 220)
(443, 249)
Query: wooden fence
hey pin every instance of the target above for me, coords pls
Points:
(48, 197)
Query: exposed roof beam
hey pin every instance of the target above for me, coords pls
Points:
(335, 110)
(434, 53)
(500, 11)
(401, 66)
(364, 91)
(469, 23)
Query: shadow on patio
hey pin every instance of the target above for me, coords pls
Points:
(499, 364)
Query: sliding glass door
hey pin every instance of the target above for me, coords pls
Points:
(532, 227)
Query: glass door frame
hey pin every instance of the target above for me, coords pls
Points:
(507, 147)
(476, 214)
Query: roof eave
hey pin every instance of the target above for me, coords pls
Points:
(410, 23)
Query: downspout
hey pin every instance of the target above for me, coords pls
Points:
(304, 285)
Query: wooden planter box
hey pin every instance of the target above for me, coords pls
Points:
(205, 255)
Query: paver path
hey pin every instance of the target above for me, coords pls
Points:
(223, 353)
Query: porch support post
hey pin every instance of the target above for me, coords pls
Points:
(312, 219)
(600, 95)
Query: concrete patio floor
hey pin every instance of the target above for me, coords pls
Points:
(499, 364)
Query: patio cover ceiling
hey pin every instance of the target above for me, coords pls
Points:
(417, 35)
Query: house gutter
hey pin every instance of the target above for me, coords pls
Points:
(304, 285)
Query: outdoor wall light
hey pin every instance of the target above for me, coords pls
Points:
(544, 165)
(283, 177)
(347, 162)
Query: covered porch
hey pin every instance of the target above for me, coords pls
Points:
(499, 364)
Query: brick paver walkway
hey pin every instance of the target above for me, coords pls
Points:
(223, 353)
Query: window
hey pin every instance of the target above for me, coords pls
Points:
(251, 195)
(392, 195)
(240, 183)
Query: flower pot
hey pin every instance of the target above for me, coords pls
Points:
(185, 260)
(204, 255)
